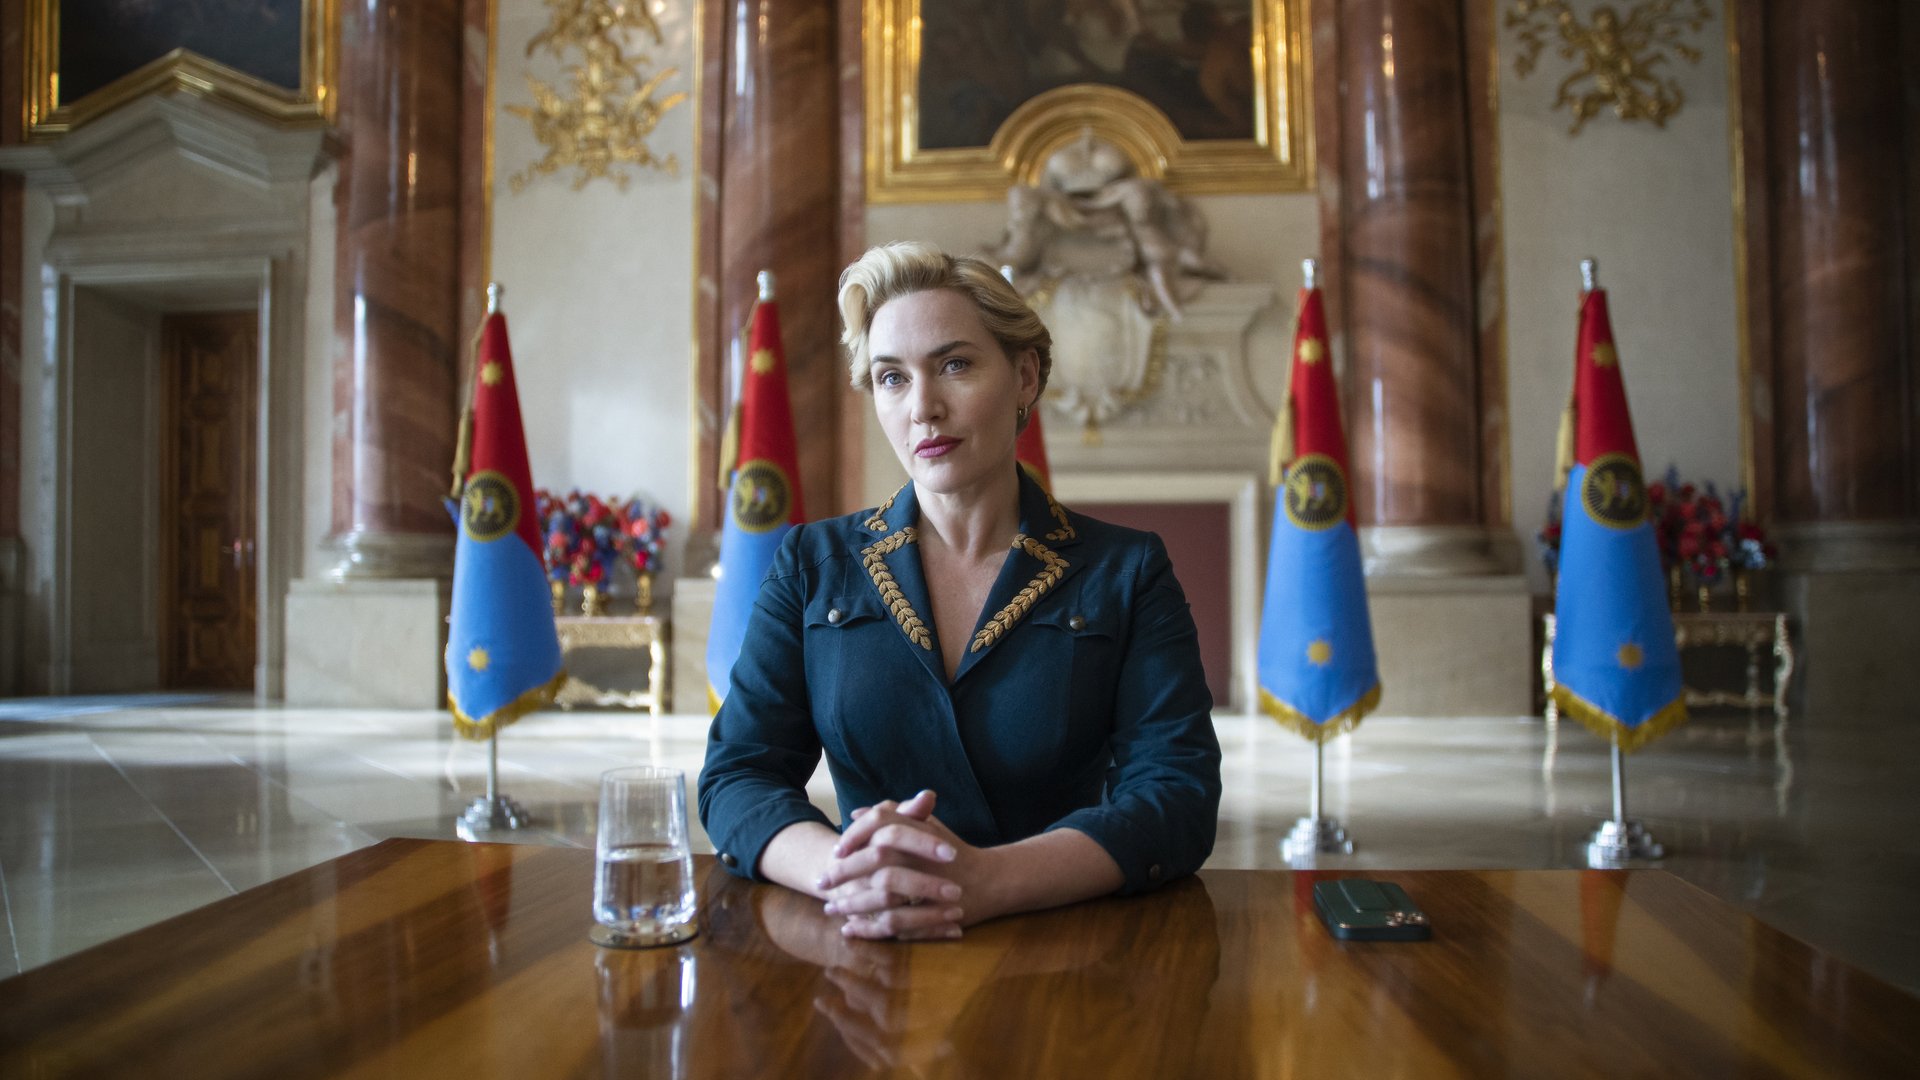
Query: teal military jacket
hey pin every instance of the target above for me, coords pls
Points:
(1080, 702)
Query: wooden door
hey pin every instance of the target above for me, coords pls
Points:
(207, 494)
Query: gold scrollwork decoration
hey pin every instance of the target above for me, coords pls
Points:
(1616, 53)
(613, 106)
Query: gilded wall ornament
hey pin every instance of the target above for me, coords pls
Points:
(1616, 53)
(613, 105)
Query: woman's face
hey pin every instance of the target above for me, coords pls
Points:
(945, 392)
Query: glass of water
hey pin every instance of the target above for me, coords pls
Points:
(643, 890)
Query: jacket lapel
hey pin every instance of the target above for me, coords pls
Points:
(887, 545)
(1039, 562)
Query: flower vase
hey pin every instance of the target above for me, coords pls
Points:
(1673, 588)
(1706, 600)
(1742, 590)
(592, 602)
(559, 596)
(643, 595)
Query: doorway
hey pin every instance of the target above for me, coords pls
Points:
(208, 553)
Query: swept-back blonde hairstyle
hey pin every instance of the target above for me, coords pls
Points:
(894, 270)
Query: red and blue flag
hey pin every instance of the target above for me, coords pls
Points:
(503, 653)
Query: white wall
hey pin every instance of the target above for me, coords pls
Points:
(1654, 206)
(599, 288)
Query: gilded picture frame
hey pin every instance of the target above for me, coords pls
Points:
(915, 151)
(50, 112)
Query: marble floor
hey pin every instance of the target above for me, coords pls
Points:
(116, 813)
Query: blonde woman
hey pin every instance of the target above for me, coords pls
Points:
(1008, 694)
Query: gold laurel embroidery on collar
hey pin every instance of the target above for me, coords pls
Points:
(1052, 567)
(874, 558)
(1065, 531)
(878, 522)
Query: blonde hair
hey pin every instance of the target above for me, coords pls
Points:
(898, 269)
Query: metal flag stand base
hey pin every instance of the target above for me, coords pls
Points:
(1623, 839)
(1316, 834)
(492, 812)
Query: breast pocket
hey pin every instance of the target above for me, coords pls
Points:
(1078, 644)
(846, 637)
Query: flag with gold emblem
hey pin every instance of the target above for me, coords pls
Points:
(1316, 664)
(503, 654)
(763, 493)
(1030, 450)
(1615, 666)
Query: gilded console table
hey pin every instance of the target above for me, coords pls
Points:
(1750, 630)
(635, 633)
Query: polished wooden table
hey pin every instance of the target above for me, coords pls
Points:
(431, 958)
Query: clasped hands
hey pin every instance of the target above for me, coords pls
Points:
(897, 872)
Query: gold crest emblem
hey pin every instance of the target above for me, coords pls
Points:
(1315, 492)
(761, 496)
(1613, 493)
(490, 508)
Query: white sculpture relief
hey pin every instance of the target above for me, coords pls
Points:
(1108, 259)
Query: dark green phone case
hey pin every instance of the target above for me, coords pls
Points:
(1357, 909)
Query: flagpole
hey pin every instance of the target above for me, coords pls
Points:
(1623, 839)
(1316, 834)
(492, 812)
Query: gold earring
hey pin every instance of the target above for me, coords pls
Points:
(1020, 415)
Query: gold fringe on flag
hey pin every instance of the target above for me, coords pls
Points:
(1280, 448)
(730, 436)
(1563, 449)
(463, 449)
(1603, 724)
(1296, 721)
(533, 700)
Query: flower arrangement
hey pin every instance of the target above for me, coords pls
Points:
(1703, 534)
(1699, 533)
(587, 537)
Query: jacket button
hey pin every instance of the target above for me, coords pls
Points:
(727, 860)
(834, 616)
(1154, 872)
(1078, 622)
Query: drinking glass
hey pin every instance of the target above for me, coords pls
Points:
(643, 888)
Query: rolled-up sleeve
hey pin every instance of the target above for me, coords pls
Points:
(762, 747)
(1162, 802)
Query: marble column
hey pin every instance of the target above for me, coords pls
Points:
(397, 340)
(1399, 211)
(1400, 256)
(1841, 202)
(771, 200)
(1830, 103)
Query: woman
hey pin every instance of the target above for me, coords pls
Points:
(1009, 694)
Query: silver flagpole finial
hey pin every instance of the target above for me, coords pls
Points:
(766, 285)
(1310, 273)
(1589, 275)
(494, 292)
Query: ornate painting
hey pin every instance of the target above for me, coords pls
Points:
(86, 57)
(967, 96)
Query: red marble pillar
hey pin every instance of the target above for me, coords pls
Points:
(397, 340)
(1397, 217)
(770, 200)
(1841, 189)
